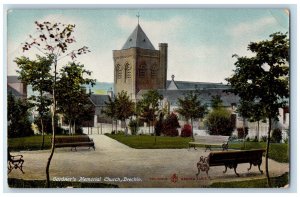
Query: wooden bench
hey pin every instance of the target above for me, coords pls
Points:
(230, 159)
(210, 140)
(73, 141)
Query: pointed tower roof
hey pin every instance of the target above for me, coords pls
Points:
(139, 39)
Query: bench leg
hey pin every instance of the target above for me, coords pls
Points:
(260, 169)
(225, 169)
(250, 167)
(231, 165)
(203, 166)
(207, 147)
(235, 171)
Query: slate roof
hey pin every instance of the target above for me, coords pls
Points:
(13, 79)
(138, 39)
(205, 95)
(189, 85)
(99, 100)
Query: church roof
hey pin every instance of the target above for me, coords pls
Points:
(205, 95)
(99, 100)
(189, 85)
(138, 39)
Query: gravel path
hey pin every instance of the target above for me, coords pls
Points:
(112, 161)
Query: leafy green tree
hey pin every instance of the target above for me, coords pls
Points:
(191, 108)
(216, 102)
(263, 78)
(37, 74)
(18, 117)
(251, 111)
(110, 111)
(124, 106)
(72, 100)
(148, 106)
(53, 41)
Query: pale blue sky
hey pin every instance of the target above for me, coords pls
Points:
(201, 41)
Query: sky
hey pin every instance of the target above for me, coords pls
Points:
(201, 42)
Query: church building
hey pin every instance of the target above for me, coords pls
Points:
(138, 65)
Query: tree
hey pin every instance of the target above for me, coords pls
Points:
(191, 108)
(72, 100)
(216, 102)
(110, 110)
(251, 111)
(148, 106)
(263, 79)
(124, 106)
(53, 41)
(18, 117)
(37, 74)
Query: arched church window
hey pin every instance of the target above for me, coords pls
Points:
(154, 70)
(127, 71)
(142, 70)
(119, 72)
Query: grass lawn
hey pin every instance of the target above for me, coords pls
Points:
(20, 183)
(148, 142)
(278, 152)
(257, 183)
(28, 143)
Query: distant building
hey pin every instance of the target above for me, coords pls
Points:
(16, 87)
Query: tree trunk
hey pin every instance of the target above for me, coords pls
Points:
(53, 128)
(192, 128)
(70, 128)
(244, 143)
(258, 131)
(267, 152)
(43, 134)
(74, 128)
(112, 125)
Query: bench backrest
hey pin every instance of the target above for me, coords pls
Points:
(71, 139)
(241, 156)
(212, 138)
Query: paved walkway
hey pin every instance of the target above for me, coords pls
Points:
(151, 167)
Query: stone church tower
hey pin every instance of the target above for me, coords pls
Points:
(138, 65)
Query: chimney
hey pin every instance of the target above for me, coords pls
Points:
(163, 61)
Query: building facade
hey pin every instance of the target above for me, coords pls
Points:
(138, 65)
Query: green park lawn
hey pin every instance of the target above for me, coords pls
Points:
(278, 151)
(28, 143)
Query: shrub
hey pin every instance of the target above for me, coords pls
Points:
(277, 135)
(170, 125)
(240, 132)
(133, 126)
(264, 138)
(219, 122)
(255, 139)
(186, 131)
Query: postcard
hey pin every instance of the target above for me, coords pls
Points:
(148, 98)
